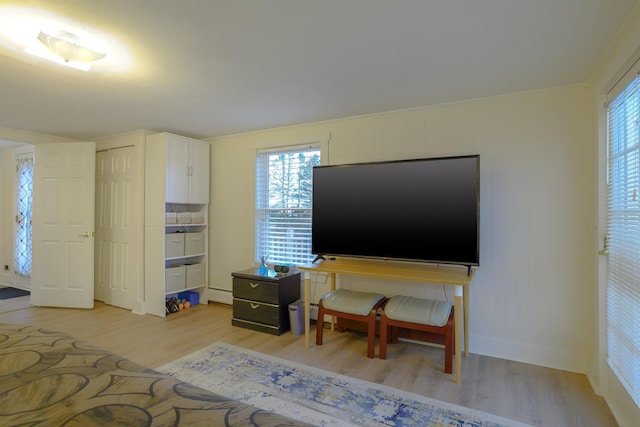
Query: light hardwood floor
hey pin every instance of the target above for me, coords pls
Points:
(528, 393)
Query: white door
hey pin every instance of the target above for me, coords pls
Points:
(63, 219)
(117, 245)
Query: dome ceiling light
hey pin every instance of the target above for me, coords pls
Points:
(67, 46)
(63, 41)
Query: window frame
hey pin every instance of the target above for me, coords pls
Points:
(262, 250)
(619, 288)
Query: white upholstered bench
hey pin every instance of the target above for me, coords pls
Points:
(354, 305)
(433, 316)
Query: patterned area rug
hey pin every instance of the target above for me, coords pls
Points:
(315, 396)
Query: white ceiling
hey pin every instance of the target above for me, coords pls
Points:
(206, 68)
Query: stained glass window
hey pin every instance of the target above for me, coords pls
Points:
(23, 215)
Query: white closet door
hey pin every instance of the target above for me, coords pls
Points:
(118, 244)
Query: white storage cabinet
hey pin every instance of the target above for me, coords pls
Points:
(176, 213)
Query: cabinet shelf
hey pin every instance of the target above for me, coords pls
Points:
(191, 288)
(185, 257)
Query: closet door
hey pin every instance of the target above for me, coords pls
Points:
(118, 244)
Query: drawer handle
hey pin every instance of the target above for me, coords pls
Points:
(254, 306)
(254, 285)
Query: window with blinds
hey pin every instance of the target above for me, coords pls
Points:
(623, 237)
(283, 204)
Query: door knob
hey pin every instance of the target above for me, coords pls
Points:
(87, 234)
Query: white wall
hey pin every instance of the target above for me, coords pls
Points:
(531, 299)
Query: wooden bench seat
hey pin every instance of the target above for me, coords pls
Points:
(432, 316)
(353, 305)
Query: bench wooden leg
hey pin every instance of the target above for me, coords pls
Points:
(371, 335)
(384, 335)
(320, 324)
(448, 346)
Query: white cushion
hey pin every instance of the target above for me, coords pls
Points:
(417, 310)
(353, 302)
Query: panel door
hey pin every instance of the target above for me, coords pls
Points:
(118, 245)
(63, 225)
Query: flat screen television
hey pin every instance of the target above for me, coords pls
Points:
(424, 210)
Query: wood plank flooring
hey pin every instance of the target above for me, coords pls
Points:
(528, 393)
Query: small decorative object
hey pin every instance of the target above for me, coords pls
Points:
(263, 262)
(281, 268)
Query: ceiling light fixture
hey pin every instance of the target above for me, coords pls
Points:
(67, 47)
(60, 40)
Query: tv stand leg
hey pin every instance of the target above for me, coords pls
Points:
(458, 313)
(465, 304)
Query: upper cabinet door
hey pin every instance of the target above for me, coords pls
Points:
(199, 172)
(187, 169)
(177, 170)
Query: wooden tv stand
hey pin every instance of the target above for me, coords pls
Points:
(458, 277)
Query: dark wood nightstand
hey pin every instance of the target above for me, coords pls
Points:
(261, 299)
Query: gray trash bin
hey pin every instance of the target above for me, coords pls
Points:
(296, 317)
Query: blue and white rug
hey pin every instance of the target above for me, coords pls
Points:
(315, 396)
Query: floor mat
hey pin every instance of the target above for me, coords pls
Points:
(7, 293)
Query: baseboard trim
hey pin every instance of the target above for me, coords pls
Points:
(522, 352)
(220, 295)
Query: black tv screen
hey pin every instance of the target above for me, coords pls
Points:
(423, 210)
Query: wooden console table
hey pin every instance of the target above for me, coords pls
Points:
(425, 273)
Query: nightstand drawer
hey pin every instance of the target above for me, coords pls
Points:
(254, 311)
(256, 290)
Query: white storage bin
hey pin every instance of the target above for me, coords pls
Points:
(170, 217)
(194, 243)
(173, 245)
(195, 274)
(175, 278)
(197, 217)
(184, 217)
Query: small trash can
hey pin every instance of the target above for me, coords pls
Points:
(296, 317)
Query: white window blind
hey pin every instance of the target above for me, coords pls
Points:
(283, 204)
(623, 237)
